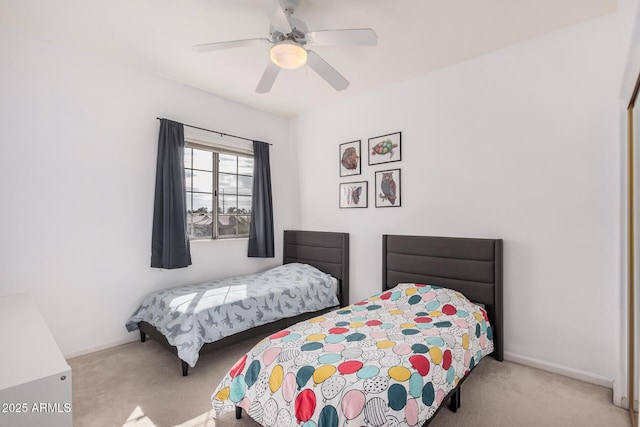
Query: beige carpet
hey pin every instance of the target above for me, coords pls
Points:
(140, 384)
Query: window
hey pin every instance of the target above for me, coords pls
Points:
(218, 191)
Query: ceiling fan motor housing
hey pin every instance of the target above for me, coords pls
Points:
(298, 32)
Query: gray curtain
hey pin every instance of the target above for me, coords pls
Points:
(261, 227)
(170, 239)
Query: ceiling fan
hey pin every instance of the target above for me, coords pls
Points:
(289, 38)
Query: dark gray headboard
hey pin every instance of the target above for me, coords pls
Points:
(468, 265)
(327, 251)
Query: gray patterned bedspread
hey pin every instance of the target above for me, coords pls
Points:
(191, 316)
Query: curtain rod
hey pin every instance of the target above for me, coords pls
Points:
(212, 131)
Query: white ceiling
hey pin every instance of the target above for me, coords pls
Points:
(414, 38)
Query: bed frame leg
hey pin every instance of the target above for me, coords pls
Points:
(238, 412)
(454, 403)
(143, 336)
(185, 368)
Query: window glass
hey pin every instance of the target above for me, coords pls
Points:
(243, 224)
(202, 202)
(187, 158)
(202, 160)
(245, 165)
(244, 204)
(227, 225)
(188, 179)
(200, 216)
(202, 181)
(245, 184)
(227, 184)
(189, 204)
(228, 163)
(218, 192)
(228, 203)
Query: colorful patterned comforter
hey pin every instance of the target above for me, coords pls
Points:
(191, 316)
(391, 359)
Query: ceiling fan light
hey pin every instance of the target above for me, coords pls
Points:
(288, 55)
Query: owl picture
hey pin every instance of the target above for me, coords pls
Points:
(388, 184)
(388, 187)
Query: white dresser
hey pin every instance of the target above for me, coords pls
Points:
(35, 380)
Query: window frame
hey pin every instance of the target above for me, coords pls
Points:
(216, 149)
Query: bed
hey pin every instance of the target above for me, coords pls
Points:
(393, 359)
(196, 319)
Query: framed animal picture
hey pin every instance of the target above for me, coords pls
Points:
(354, 194)
(350, 158)
(388, 186)
(385, 148)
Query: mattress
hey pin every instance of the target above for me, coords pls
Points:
(390, 359)
(191, 316)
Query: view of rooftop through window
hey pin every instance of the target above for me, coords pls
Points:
(218, 191)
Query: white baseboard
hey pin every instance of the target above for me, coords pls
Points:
(134, 337)
(559, 369)
(618, 399)
(623, 402)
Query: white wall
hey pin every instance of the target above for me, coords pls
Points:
(78, 140)
(520, 144)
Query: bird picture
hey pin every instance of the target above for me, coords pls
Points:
(388, 188)
(388, 185)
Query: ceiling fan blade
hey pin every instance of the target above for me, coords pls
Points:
(326, 71)
(268, 78)
(207, 47)
(355, 37)
(280, 19)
